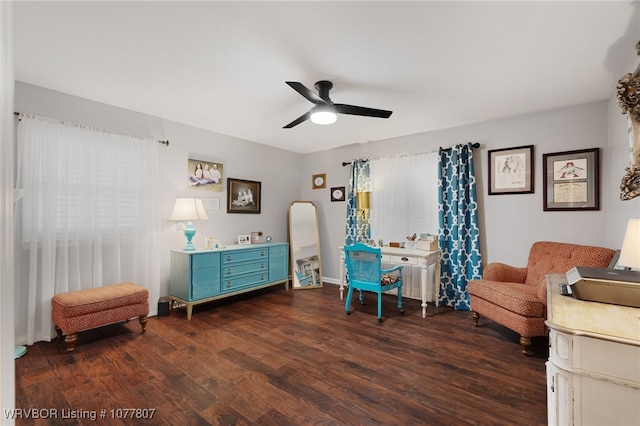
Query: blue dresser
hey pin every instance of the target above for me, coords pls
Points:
(205, 275)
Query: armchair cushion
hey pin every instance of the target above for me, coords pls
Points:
(516, 297)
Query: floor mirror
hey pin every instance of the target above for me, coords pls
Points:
(304, 243)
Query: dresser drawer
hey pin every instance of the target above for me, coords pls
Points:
(232, 284)
(243, 255)
(401, 260)
(243, 268)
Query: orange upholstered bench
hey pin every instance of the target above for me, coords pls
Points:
(86, 309)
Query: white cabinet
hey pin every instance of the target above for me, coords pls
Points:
(593, 371)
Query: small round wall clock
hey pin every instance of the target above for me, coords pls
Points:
(337, 193)
(319, 181)
(268, 239)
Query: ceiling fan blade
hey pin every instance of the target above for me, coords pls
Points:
(298, 120)
(358, 110)
(304, 91)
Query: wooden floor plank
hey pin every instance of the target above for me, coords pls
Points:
(276, 357)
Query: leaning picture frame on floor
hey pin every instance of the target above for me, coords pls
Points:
(243, 196)
(511, 170)
(571, 180)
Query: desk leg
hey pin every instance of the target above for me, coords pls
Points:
(342, 277)
(424, 269)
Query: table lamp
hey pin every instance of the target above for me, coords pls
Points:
(630, 251)
(363, 200)
(188, 209)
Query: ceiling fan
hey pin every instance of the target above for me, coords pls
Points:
(325, 111)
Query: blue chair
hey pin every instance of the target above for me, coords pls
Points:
(364, 273)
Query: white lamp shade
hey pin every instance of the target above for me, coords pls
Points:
(187, 209)
(630, 252)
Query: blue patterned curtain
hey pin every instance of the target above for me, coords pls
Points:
(459, 236)
(358, 181)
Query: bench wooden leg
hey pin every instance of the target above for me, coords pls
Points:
(143, 322)
(70, 340)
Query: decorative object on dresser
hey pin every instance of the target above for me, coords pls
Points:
(304, 242)
(257, 237)
(516, 297)
(202, 276)
(593, 371)
(511, 170)
(188, 209)
(365, 273)
(243, 196)
(571, 180)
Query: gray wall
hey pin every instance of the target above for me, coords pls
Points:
(509, 223)
(242, 159)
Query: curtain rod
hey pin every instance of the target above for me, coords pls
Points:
(165, 143)
(344, 163)
(474, 145)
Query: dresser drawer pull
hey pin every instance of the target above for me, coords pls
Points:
(229, 271)
(262, 266)
(262, 253)
(262, 277)
(228, 284)
(228, 257)
(405, 259)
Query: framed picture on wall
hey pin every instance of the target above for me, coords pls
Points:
(511, 170)
(243, 196)
(204, 175)
(338, 193)
(571, 180)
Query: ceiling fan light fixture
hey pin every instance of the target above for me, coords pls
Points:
(323, 115)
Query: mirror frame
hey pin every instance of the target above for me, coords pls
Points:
(317, 272)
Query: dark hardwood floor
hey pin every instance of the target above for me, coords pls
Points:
(290, 358)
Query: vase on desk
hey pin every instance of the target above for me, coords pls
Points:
(410, 244)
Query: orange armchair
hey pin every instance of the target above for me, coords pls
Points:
(517, 297)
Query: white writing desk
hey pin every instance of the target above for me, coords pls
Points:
(408, 257)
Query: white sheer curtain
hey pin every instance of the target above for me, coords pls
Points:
(404, 201)
(89, 215)
(7, 273)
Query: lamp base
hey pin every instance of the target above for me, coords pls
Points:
(189, 232)
(18, 351)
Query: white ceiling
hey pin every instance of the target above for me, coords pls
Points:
(222, 66)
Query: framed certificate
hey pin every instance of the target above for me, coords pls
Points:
(571, 180)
